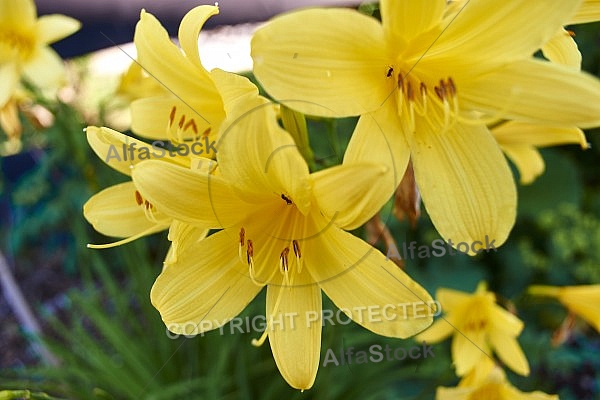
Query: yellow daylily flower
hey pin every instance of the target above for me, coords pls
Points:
(478, 325)
(488, 381)
(136, 84)
(580, 300)
(415, 79)
(190, 105)
(520, 141)
(24, 49)
(281, 227)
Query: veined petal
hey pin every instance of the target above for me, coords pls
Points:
(189, 30)
(182, 236)
(9, 78)
(329, 62)
(527, 159)
(351, 194)
(379, 138)
(438, 331)
(52, 28)
(15, 12)
(238, 93)
(468, 350)
(199, 199)
(562, 49)
(583, 301)
(405, 20)
(114, 212)
(295, 342)
(357, 277)
(515, 30)
(205, 288)
(539, 135)
(588, 11)
(261, 159)
(508, 350)
(45, 69)
(466, 184)
(164, 61)
(122, 152)
(536, 91)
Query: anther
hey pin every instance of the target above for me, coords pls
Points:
(296, 247)
(138, 198)
(181, 121)
(409, 91)
(451, 87)
(423, 89)
(242, 236)
(283, 258)
(172, 115)
(249, 252)
(191, 123)
(439, 93)
(390, 71)
(206, 132)
(400, 82)
(288, 201)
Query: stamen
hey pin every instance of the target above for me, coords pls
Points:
(206, 132)
(451, 87)
(410, 94)
(288, 201)
(250, 252)
(263, 337)
(172, 116)
(298, 254)
(191, 123)
(138, 198)
(283, 260)
(242, 242)
(401, 82)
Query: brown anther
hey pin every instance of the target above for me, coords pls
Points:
(181, 121)
(288, 201)
(249, 251)
(284, 258)
(147, 205)
(390, 71)
(296, 247)
(172, 115)
(138, 198)
(423, 89)
(571, 33)
(191, 123)
(410, 94)
(451, 87)
(206, 132)
(443, 88)
(242, 236)
(400, 82)
(439, 93)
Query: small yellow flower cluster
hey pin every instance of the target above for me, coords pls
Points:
(442, 86)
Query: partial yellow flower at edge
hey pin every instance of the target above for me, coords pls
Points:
(24, 49)
(415, 78)
(580, 300)
(487, 381)
(589, 11)
(478, 326)
(520, 141)
(278, 228)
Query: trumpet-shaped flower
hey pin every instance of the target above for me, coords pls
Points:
(580, 300)
(24, 49)
(189, 105)
(281, 227)
(417, 79)
(488, 381)
(478, 325)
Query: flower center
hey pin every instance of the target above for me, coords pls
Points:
(19, 42)
(437, 108)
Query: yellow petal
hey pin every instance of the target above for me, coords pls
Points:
(326, 62)
(583, 301)
(589, 11)
(539, 135)
(405, 20)
(379, 138)
(562, 49)
(438, 331)
(46, 69)
(513, 29)
(527, 159)
(189, 30)
(466, 184)
(9, 78)
(21, 12)
(181, 236)
(443, 393)
(116, 149)
(295, 339)
(505, 321)
(238, 93)
(360, 196)
(115, 212)
(508, 350)
(199, 199)
(536, 91)
(52, 28)
(467, 350)
(165, 62)
(371, 290)
(271, 161)
(205, 288)
(451, 299)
